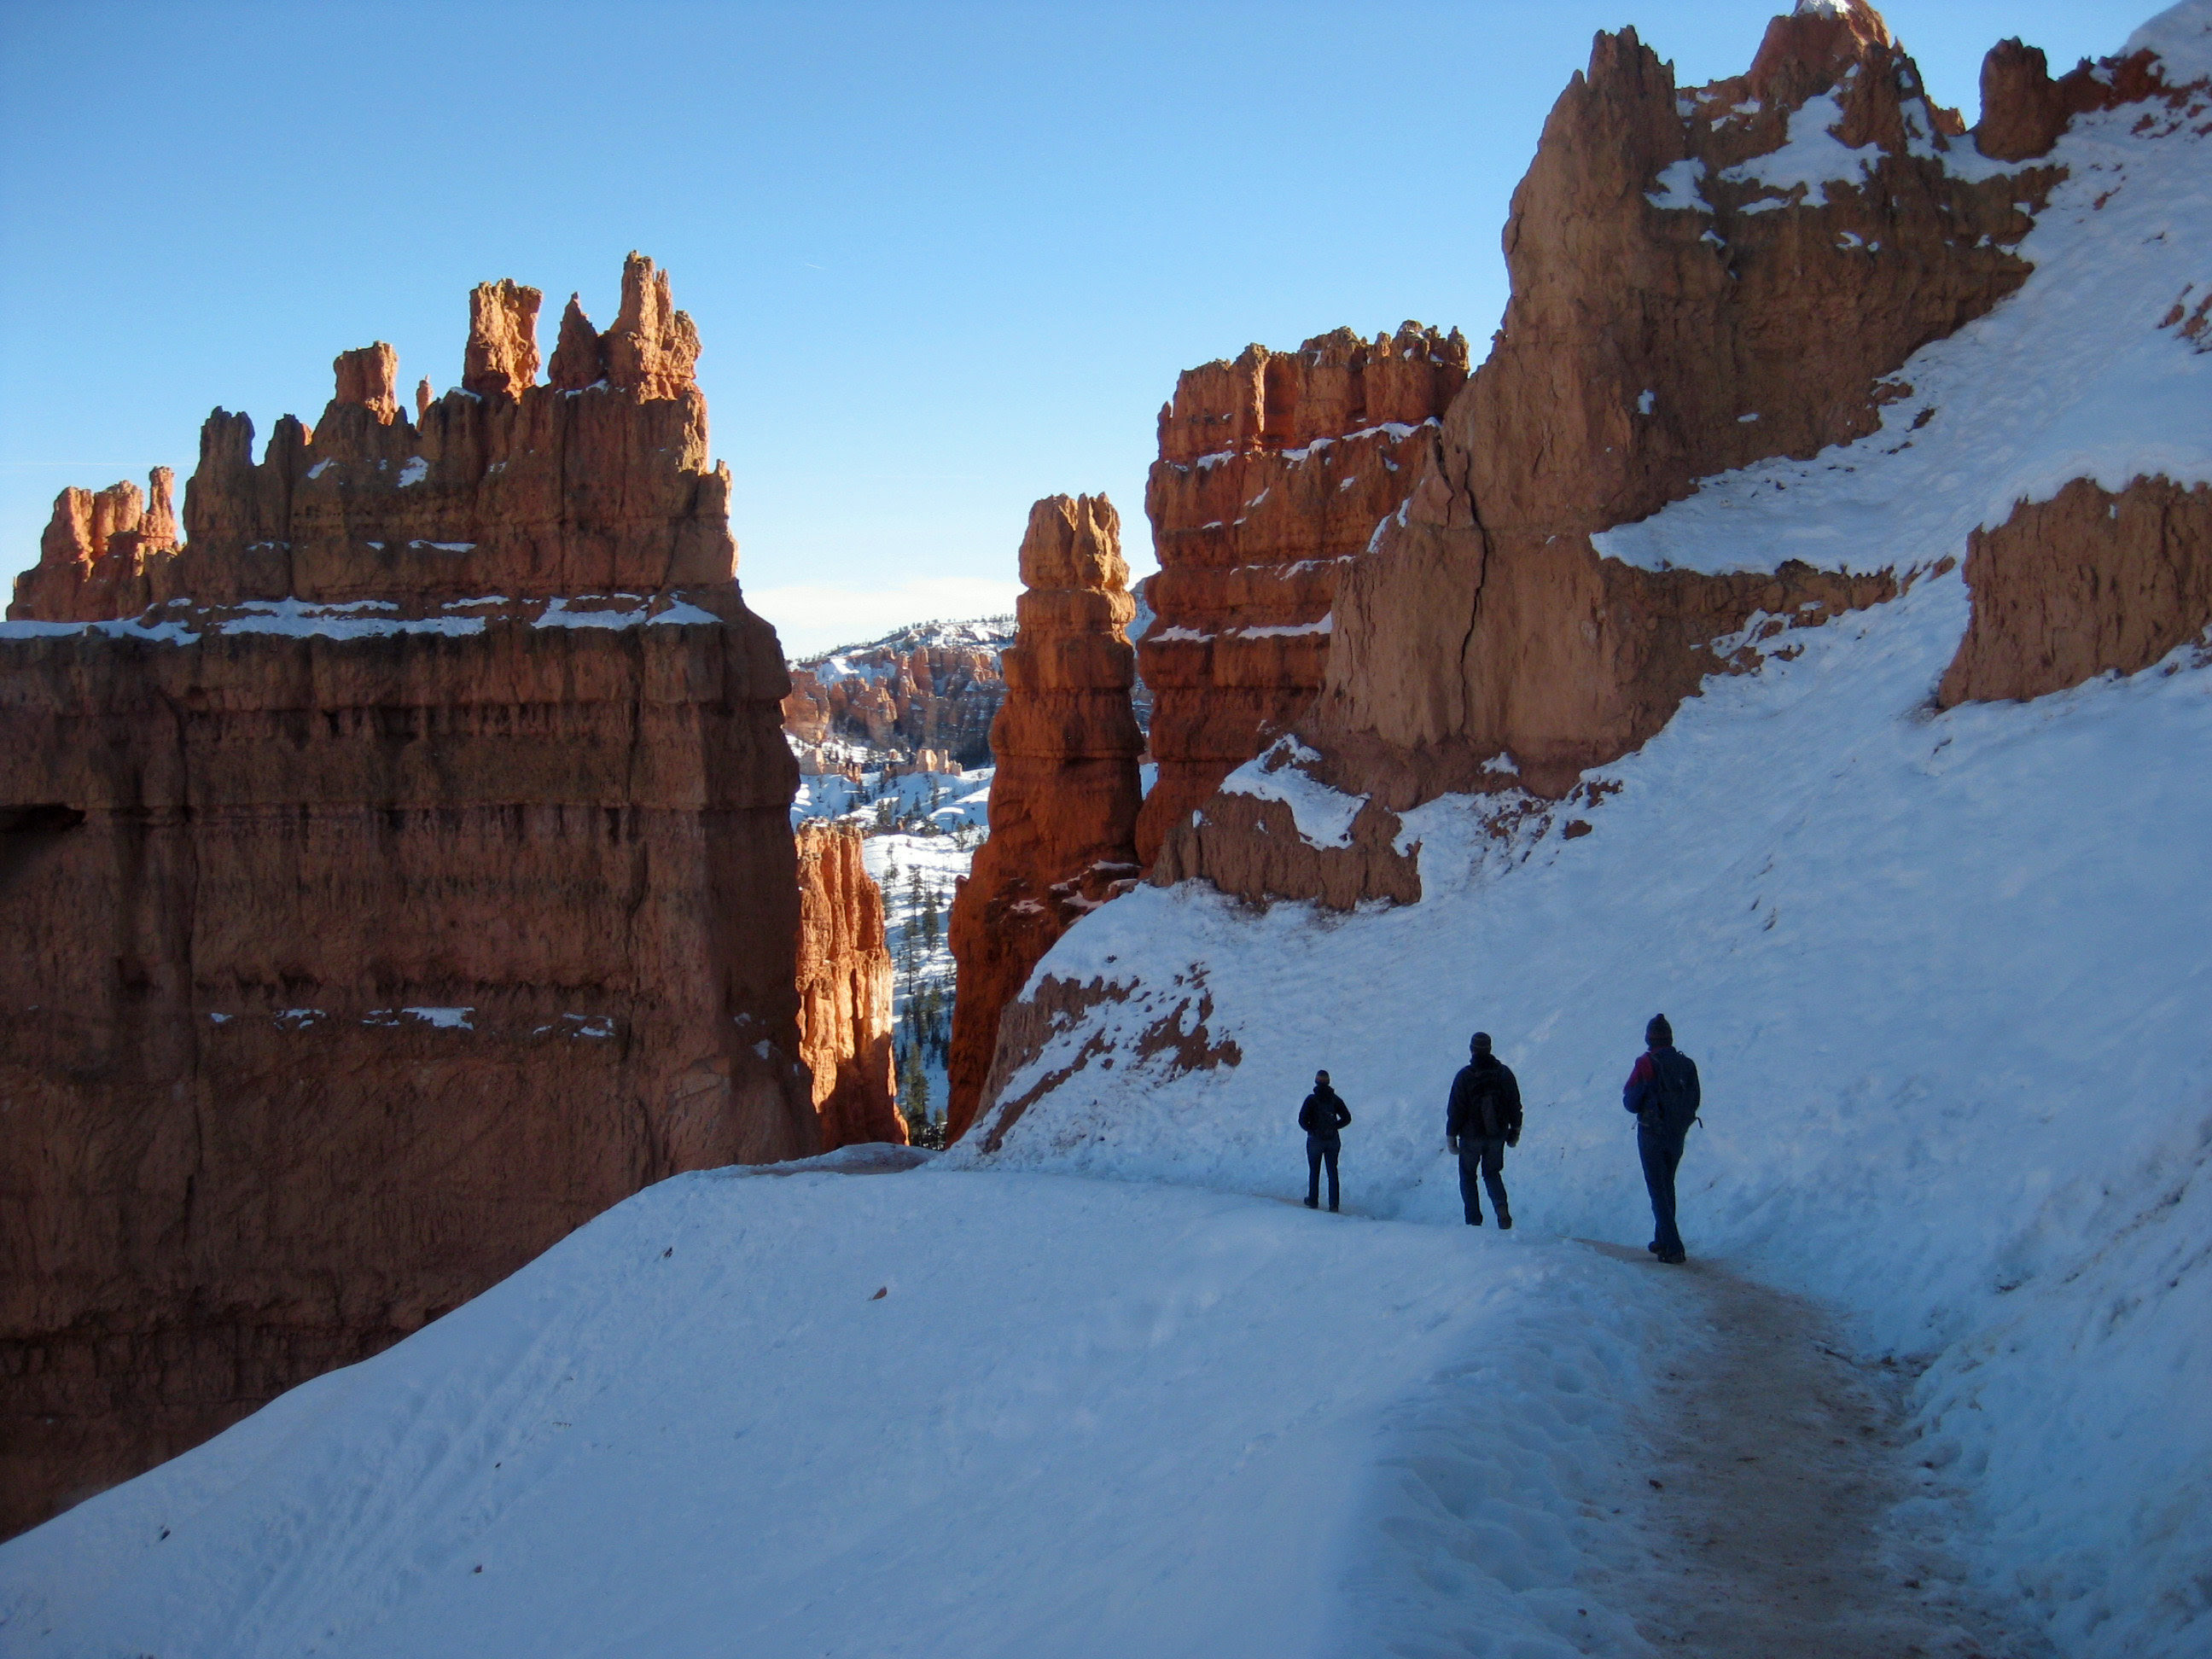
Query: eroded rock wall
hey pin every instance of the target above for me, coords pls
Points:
(1701, 278)
(844, 975)
(2087, 583)
(1065, 797)
(1274, 471)
(412, 883)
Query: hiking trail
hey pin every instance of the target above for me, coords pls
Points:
(1765, 1521)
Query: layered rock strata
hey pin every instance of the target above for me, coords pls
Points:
(1701, 278)
(844, 973)
(412, 881)
(1274, 471)
(2087, 583)
(1065, 796)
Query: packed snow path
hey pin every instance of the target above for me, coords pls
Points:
(990, 1414)
(1766, 1522)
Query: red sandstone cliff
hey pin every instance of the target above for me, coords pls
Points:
(413, 883)
(1681, 304)
(1274, 471)
(844, 975)
(1065, 797)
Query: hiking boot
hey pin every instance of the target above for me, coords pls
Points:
(1315, 1204)
(1675, 1258)
(1653, 1246)
(1505, 1223)
(1332, 1209)
(1474, 1220)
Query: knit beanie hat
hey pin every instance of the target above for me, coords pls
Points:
(1479, 1043)
(1659, 1034)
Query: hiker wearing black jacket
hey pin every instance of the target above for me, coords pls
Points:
(1483, 1118)
(1322, 1117)
(1662, 1092)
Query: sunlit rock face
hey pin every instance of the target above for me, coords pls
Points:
(1064, 800)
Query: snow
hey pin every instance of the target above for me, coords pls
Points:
(320, 468)
(414, 472)
(447, 547)
(2182, 35)
(1811, 160)
(1679, 184)
(445, 1020)
(169, 632)
(1215, 1424)
(1323, 815)
(301, 618)
(680, 613)
(2071, 377)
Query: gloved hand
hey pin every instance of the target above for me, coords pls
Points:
(1513, 1139)
(1451, 1145)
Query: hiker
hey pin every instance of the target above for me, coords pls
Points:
(1662, 1092)
(1321, 1118)
(1483, 1118)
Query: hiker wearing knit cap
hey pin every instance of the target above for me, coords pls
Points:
(1664, 1094)
(1482, 1119)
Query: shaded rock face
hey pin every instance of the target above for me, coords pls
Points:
(2086, 583)
(844, 975)
(1274, 470)
(1065, 796)
(362, 949)
(1687, 297)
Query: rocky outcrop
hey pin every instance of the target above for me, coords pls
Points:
(844, 976)
(1701, 278)
(1065, 796)
(412, 882)
(2087, 583)
(1274, 471)
(604, 488)
(93, 557)
(935, 687)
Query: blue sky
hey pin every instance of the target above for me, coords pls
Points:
(945, 259)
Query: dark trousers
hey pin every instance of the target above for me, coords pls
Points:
(1660, 1154)
(1479, 1154)
(1319, 1151)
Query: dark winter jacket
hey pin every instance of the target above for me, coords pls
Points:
(1662, 1092)
(1485, 1102)
(1323, 1113)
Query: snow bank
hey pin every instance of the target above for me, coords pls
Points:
(850, 1414)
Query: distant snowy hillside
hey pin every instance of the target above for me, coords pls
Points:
(1945, 974)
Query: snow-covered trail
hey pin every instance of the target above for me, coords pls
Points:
(1771, 1516)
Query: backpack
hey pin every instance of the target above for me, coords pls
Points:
(1674, 1090)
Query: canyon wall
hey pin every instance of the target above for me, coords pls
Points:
(1065, 797)
(396, 875)
(1273, 472)
(1701, 278)
(844, 975)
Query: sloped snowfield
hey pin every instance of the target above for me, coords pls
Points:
(924, 1413)
(1945, 975)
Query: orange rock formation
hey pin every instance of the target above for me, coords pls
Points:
(941, 697)
(845, 990)
(2086, 583)
(1064, 800)
(1274, 472)
(415, 882)
(1671, 316)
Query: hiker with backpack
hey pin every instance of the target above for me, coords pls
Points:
(1482, 1119)
(1662, 1092)
(1322, 1117)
